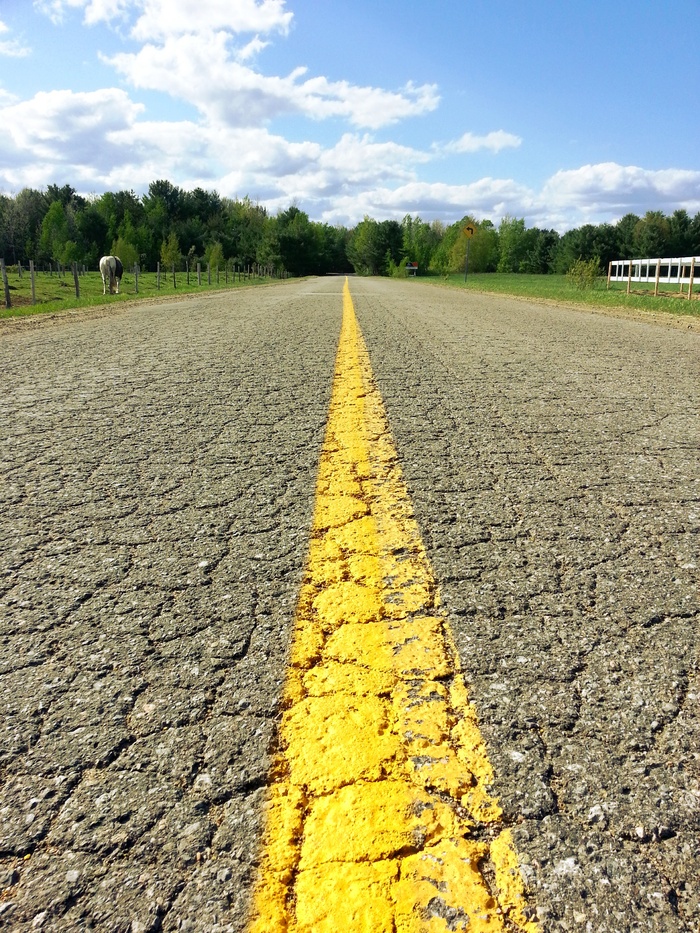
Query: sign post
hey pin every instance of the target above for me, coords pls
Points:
(469, 233)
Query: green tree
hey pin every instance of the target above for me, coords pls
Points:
(679, 234)
(126, 251)
(163, 208)
(215, 255)
(268, 248)
(651, 236)
(365, 248)
(694, 236)
(440, 261)
(114, 208)
(297, 242)
(54, 232)
(512, 244)
(483, 247)
(92, 234)
(170, 252)
(419, 241)
(247, 235)
(586, 243)
(625, 231)
(540, 251)
(67, 195)
(71, 253)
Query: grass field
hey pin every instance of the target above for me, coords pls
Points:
(558, 288)
(56, 293)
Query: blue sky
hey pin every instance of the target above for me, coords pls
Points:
(561, 113)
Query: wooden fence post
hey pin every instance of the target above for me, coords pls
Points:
(174, 279)
(199, 273)
(76, 280)
(6, 284)
(158, 275)
(208, 273)
(692, 276)
(31, 279)
(136, 277)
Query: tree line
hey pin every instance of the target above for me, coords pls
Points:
(174, 226)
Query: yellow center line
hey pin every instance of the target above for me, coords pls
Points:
(379, 815)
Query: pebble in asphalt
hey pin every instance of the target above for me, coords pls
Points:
(157, 488)
(552, 459)
(157, 479)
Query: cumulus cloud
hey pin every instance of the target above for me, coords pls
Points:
(492, 142)
(158, 19)
(255, 161)
(12, 48)
(94, 10)
(163, 19)
(608, 188)
(66, 128)
(490, 198)
(203, 71)
(106, 140)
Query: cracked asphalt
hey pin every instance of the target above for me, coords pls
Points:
(156, 489)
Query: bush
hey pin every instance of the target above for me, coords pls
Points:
(396, 271)
(584, 273)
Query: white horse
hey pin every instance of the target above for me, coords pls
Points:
(111, 268)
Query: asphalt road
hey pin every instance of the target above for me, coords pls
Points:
(156, 491)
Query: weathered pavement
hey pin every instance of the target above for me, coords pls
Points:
(156, 489)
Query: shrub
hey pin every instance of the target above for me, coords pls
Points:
(584, 273)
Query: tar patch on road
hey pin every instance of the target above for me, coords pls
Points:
(380, 817)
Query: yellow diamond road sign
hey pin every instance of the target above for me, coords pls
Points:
(468, 232)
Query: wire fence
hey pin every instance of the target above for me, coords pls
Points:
(160, 276)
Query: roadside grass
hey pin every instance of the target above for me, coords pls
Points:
(559, 288)
(57, 292)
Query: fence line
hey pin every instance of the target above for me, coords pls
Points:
(76, 270)
(669, 271)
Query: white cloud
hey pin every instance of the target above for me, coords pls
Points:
(267, 166)
(12, 48)
(253, 48)
(163, 19)
(608, 188)
(158, 19)
(66, 128)
(56, 9)
(493, 142)
(487, 198)
(202, 71)
(106, 140)
(591, 194)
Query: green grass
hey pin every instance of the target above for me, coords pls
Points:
(57, 293)
(558, 288)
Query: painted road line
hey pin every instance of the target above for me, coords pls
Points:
(379, 818)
